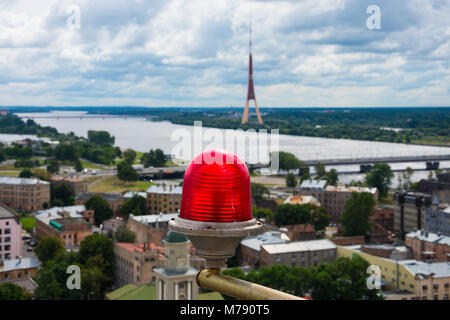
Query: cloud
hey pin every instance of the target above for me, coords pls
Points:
(195, 53)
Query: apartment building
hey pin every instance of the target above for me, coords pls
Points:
(71, 224)
(19, 268)
(410, 211)
(135, 263)
(10, 234)
(76, 184)
(298, 253)
(437, 217)
(152, 227)
(24, 194)
(164, 199)
(426, 245)
(406, 279)
(250, 247)
(331, 197)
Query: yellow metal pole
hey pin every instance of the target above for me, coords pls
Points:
(213, 279)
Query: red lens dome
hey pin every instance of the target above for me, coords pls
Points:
(216, 188)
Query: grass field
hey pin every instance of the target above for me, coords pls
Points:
(7, 167)
(438, 140)
(113, 184)
(28, 223)
(89, 165)
(9, 173)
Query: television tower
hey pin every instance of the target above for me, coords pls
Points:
(251, 88)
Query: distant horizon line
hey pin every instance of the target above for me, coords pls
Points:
(212, 107)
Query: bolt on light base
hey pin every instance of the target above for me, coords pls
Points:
(215, 241)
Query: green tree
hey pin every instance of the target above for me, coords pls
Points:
(344, 279)
(11, 291)
(332, 177)
(258, 191)
(100, 137)
(48, 287)
(102, 210)
(357, 211)
(288, 214)
(123, 234)
(129, 156)
(98, 245)
(320, 218)
(78, 166)
(319, 168)
(305, 176)
(291, 181)
(154, 158)
(287, 161)
(66, 152)
(126, 172)
(26, 173)
(117, 152)
(262, 213)
(130, 205)
(61, 194)
(97, 277)
(53, 166)
(380, 178)
(48, 248)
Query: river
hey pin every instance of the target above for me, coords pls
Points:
(143, 135)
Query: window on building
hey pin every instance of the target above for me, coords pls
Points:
(424, 288)
(436, 297)
(8, 231)
(7, 239)
(436, 287)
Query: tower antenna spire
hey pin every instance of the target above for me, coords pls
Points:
(251, 87)
(250, 32)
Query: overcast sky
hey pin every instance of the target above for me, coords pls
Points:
(195, 53)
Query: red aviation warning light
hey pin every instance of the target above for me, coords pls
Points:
(216, 207)
(218, 191)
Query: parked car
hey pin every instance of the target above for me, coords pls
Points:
(33, 243)
(29, 249)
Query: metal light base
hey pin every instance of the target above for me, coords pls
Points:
(215, 241)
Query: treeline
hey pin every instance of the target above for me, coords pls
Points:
(12, 124)
(417, 124)
(98, 147)
(344, 279)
